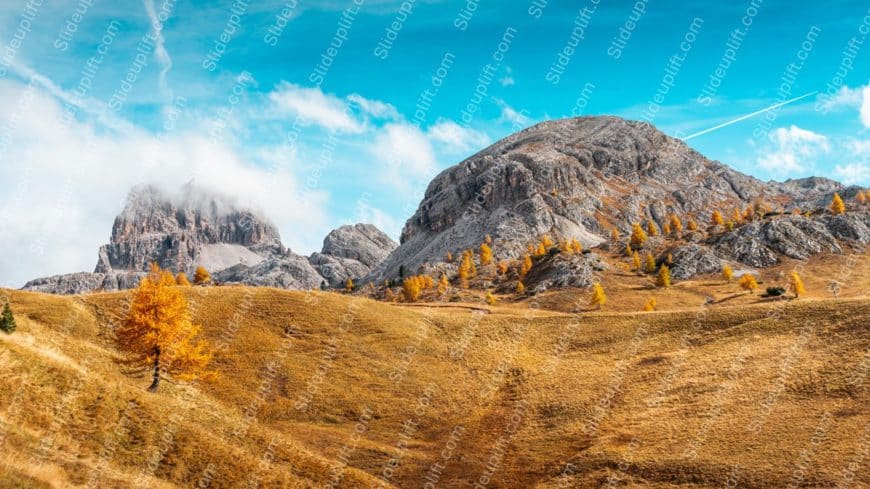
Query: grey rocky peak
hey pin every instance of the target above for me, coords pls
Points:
(580, 178)
(351, 252)
(364, 243)
(571, 179)
(289, 271)
(180, 232)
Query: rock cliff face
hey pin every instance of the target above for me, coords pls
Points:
(579, 178)
(237, 245)
(351, 251)
(180, 233)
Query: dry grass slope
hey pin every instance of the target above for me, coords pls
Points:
(522, 397)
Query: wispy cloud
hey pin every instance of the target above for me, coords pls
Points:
(160, 52)
(792, 150)
(314, 106)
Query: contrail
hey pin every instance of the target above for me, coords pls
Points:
(747, 116)
(160, 51)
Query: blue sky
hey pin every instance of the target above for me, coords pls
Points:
(316, 148)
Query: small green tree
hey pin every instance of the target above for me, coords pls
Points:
(7, 320)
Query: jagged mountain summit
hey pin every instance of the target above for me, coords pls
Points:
(578, 179)
(201, 228)
(180, 233)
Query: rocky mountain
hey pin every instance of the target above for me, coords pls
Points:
(575, 178)
(579, 178)
(351, 251)
(238, 245)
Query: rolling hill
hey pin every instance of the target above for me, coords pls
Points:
(320, 389)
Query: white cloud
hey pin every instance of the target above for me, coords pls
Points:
(382, 220)
(865, 107)
(61, 189)
(848, 98)
(859, 148)
(792, 149)
(853, 173)
(455, 138)
(375, 108)
(405, 153)
(314, 106)
(845, 97)
(511, 115)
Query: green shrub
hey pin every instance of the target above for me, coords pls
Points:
(775, 291)
(7, 320)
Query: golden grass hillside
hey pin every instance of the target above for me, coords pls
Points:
(329, 390)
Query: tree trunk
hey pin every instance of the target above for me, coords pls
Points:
(156, 373)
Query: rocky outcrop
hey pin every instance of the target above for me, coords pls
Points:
(81, 282)
(762, 243)
(565, 271)
(351, 251)
(361, 242)
(690, 260)
(287, 272)
(185, 231)
(238, 245)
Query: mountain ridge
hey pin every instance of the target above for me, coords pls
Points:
(579, 178)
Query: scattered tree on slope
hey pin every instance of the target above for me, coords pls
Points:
(485, 254)
(201, 276)
(599, 298)
(7, 320)
(664, 277)
(837, 205)
(796, 284)
(748, 282)
(181, 279)
(158, 332)
(638, 236)
(727, 272)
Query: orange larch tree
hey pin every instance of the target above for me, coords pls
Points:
(181, 279)
(664, 277)
(837, 205)
(796, 284)
(201, 276)
(412, 287)
(526, 266)
(748, 282)
(676, 224)
(727, 272)
(158, 331)
(599, 298)
(485, 254)
(638, 236)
